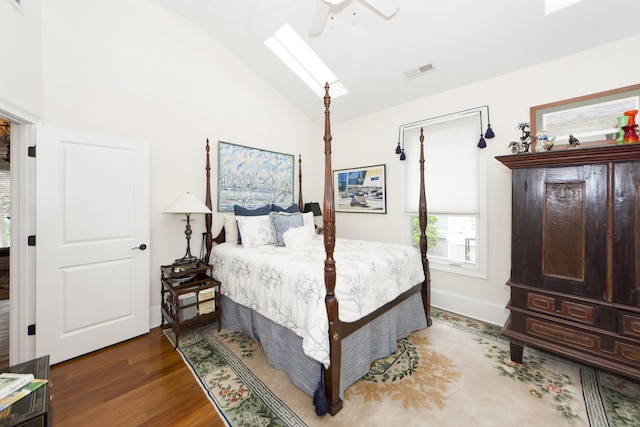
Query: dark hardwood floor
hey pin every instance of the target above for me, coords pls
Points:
(140, 382)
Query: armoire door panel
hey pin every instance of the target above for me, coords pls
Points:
(564, 208)
(563, 230)
(626, 234)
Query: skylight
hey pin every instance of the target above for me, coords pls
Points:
(551, 6)
(287, 45)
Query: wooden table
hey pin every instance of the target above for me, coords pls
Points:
(192, 282)
(32, 410)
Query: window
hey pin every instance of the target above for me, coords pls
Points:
(17, 4)
(5, 207)
(287, 45)
(552, 6)
(455, 182)
(451, 238)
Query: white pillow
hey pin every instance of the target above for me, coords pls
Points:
(283, 221)
(311, 229)
(256, 230)
(309, 222)
(307, 218)
(230, 228)
(297, 237)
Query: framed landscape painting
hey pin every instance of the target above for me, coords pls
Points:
(590, 118)
(252, 178)
(360, 189)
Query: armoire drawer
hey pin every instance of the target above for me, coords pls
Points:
(585, 341)
(629, 324)
(560, 307)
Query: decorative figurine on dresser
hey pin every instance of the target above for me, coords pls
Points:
(575, 255)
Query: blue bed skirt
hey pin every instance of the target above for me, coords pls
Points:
(283, 348)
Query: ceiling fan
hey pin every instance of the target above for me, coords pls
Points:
(384, 8)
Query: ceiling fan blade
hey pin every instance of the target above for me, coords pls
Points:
(386, 8)
(319, 18)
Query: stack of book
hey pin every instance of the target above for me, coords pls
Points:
(14, 387)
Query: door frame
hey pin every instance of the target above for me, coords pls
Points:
(22, 261)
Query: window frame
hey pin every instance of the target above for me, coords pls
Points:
(479, 269)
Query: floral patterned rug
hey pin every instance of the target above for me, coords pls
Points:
(456, 372)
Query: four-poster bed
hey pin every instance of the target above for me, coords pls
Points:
(352, 344)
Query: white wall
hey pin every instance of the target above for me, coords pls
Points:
(131, 68)
(21, 70)
(372, 140)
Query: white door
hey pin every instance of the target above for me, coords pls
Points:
(92, 228)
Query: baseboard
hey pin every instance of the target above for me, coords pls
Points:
(155, 316)
(479, 310)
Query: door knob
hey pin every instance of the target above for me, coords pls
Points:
(142, 247)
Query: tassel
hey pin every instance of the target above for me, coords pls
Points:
(319, 397)
(489, 133)
(482, 143)
(398, 149)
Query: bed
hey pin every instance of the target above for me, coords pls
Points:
(383, 295)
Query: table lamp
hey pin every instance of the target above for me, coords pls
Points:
(187, 204)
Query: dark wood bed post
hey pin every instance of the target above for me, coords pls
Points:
(331, 375)
(300, 205)
(208, 218)
(422, 215)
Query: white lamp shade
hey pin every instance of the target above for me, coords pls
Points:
(187, 203)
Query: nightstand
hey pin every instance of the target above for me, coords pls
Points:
(189, 296)
(34, 409)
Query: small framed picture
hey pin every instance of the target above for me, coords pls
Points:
(360, 189)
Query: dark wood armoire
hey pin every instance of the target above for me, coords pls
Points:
(575, 255)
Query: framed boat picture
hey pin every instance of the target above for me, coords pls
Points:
(360, 189)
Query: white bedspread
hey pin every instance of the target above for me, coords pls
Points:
(287, 285)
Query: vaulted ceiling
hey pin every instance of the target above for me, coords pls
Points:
(465, 41)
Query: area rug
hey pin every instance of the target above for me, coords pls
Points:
(457, 372)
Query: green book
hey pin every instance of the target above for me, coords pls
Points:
(19, 394)
(10, 382)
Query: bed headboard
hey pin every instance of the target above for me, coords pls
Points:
(208, 218)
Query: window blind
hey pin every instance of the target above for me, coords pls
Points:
(451, 165)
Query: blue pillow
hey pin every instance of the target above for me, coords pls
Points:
(242, 211)
(291, 209)
(283, 221)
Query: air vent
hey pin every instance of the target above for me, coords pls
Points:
(418, 71)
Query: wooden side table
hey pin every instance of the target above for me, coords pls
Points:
(189, 297)
(34, 409)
